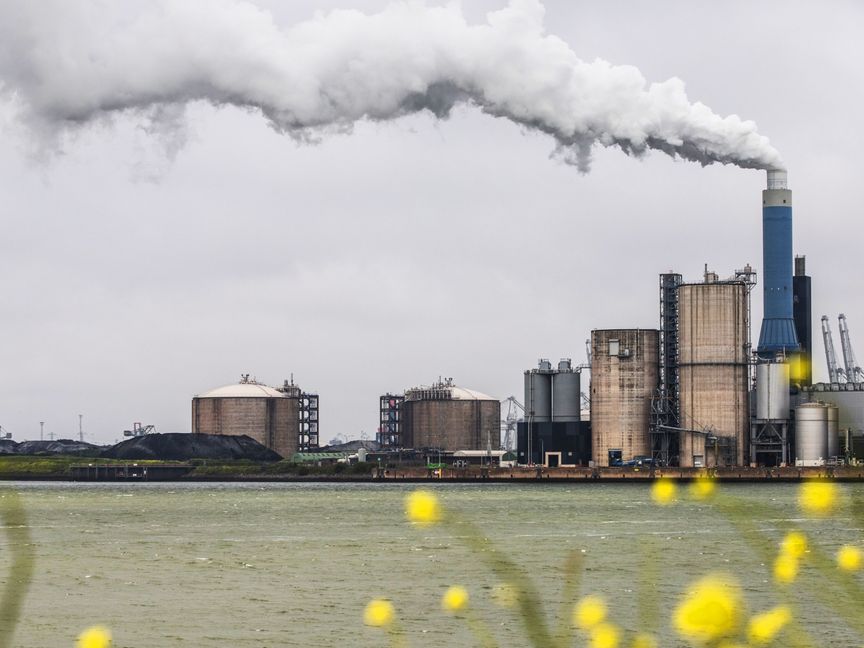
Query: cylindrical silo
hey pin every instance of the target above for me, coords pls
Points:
(566, 394)
(624, 377)
(811, 434)
(833, 448)
(538, 394)
(713, 372)
(448, 417)
(772, 391)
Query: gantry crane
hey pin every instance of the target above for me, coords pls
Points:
(835, 374)
(854, 373)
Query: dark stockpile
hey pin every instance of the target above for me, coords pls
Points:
(55, 447)
(183, 447)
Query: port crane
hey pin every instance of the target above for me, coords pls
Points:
(854, 373)
(508, 424)
(835, 374)
(139, 429)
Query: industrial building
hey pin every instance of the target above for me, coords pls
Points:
(284, 419)
(552, 433)
(624, 379)
(442, 416)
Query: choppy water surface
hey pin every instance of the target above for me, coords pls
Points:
(251, 565)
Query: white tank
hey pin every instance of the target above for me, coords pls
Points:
(811, 434)
(772, 391)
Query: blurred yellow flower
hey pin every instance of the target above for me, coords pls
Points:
(711, 611)
(422, 507)
(454, 599)
(506, 595)
(643, 640)
(794, 544)
(818, 497)
(702, 487)
(764, 627)
(663, 491)
(849, 558)
(785, 568)
(94, 637)
(378, 613)
(604, 635)
(589, 612)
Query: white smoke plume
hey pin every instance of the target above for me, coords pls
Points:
(67, 63)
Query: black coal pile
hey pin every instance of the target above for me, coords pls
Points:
(7, 447)
(58, 447)
(184, 446)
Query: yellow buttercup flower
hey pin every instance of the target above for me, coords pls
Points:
(849, 558)
(785, 568)
(663, 491)
(818, 497)
(711, 611)
(454, 599)
(764, 627)
(94, 637)
(589, 612)
(702, 487)
(643, 640)
(423, 508)
(604, 635)
(378, 613)
(794, 544)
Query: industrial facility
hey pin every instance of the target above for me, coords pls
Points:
(442, 416)
(694, 393)
(284, 419)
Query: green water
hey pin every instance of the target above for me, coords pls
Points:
(251, 565)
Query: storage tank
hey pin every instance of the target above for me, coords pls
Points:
(713, 372)
(263, 413)
(447, 417)
(624, 376)
(833, 447)
(772, 391)
(566, 393)
(538, 393)
(811, 434)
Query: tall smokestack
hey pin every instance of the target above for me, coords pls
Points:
(778, 327)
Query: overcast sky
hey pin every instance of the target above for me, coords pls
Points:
(382, 259)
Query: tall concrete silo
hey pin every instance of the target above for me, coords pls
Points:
(624, 376)
(448, 417)
(713, 372)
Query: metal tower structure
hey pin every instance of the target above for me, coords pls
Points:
(508, 423)
(835, 374)
(390, 420)
(665, 404)
(307, 420)
(854, 373)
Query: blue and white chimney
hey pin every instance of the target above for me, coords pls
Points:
(778, 327)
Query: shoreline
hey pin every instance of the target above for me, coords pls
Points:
(526, 475)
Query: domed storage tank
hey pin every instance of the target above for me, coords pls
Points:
(811, 434)
(448, 417)
(263, 413)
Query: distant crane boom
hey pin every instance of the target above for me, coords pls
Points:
(508, 424)
(835, 374)
(854, 373)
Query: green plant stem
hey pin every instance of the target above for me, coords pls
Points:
(20, 549)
